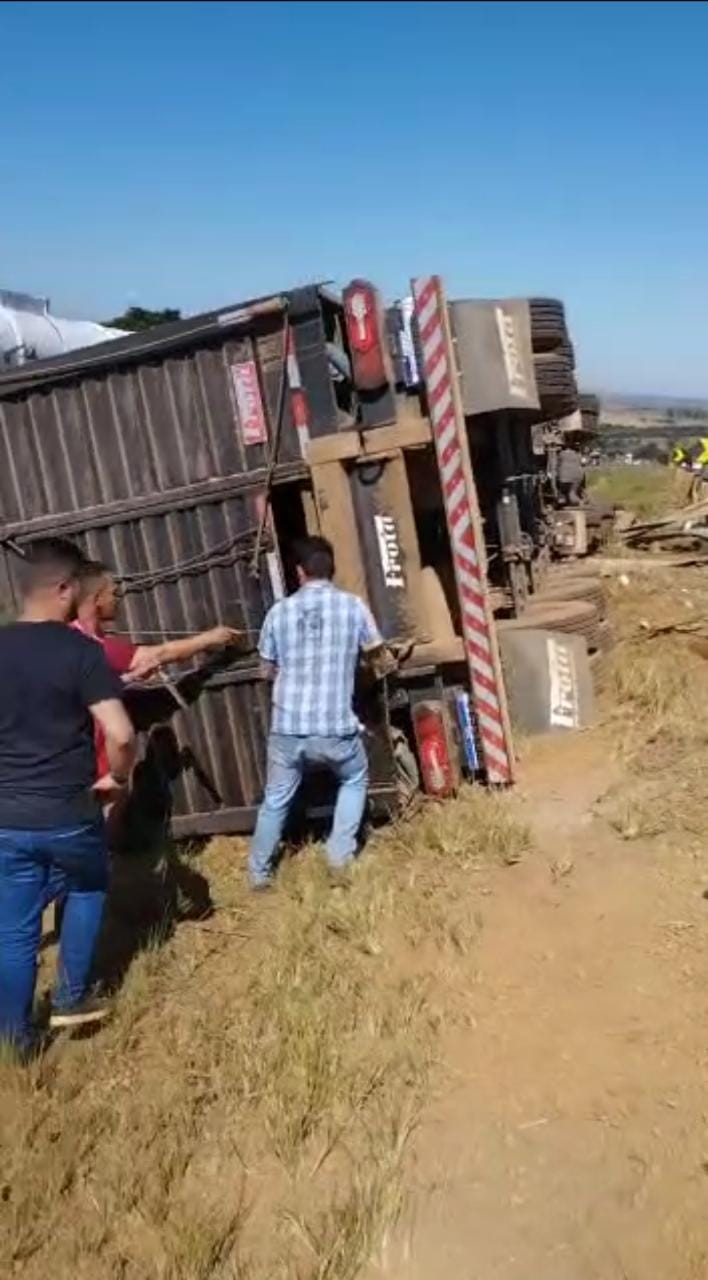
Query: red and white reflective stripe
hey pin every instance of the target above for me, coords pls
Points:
(298, 399)
(468, 558)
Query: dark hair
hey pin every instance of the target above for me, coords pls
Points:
(90, 575)
(47, 562)
(315, 557)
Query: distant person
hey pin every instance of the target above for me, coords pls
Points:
(702, 459)
(98, 608)
(310, 645)
(571, 476)
(56, 684)
(697, 464)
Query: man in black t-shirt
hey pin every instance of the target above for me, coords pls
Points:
(55, 685)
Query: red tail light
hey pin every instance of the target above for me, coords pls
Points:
(363, 314)
(436, 764)
(360, 304)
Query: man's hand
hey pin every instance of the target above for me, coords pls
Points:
(145, 663)
(149, 658)
(222, 637)
(380, 660)
(109, 788)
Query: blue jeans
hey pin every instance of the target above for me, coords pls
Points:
(35, 868)
(288, 757)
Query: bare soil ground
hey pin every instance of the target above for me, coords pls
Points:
(486, 1060)
(570, 1141)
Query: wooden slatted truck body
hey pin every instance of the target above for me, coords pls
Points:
(190, 458)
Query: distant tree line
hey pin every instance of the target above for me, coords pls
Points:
(697, 413)
(135, 319)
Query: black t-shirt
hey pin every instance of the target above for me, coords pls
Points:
(50, 675)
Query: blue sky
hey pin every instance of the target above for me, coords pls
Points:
(192, 154)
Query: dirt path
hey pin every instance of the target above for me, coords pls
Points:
(571, 1142)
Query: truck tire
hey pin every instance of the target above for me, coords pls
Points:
(573, 617)
(607, 636)
(548, 327)
(562, 588)
(555, 382)
(600, 659)
(589, 406)
(599, 669)
(553, 615)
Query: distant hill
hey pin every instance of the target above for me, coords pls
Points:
(648, 426)
(622, 400)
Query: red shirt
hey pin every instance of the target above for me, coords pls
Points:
(119, 656)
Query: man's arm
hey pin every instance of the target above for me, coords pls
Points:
(100, 690)
(147, 658)
(370, 638)
(378, 659)
(120, 738)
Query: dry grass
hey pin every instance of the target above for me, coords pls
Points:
(656, 708)
(248, 1112)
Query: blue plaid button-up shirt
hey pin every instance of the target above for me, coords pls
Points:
(314, 638)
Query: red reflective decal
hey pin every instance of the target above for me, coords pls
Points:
(251, 416)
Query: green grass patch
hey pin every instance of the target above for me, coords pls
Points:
(647, 490)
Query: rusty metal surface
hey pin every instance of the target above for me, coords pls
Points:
(121, 434)
(138, 453)
(94, 455)
(225, 729)
(156, 410)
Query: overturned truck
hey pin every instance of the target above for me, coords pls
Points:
(525, 420)
(191, 457)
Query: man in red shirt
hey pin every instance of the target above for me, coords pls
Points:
(97, 608)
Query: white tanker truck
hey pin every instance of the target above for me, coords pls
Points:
(29, 332)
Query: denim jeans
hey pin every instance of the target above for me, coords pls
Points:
(288, 757)
(36, 867)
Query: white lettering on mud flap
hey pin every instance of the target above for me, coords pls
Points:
(389, 551)
(564, 713)
(518, 384)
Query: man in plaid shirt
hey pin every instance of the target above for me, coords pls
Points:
(310, 645)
